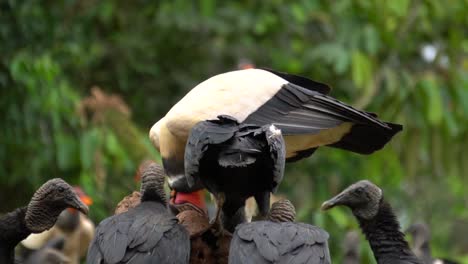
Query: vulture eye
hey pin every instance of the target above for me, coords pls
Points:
(360, 190)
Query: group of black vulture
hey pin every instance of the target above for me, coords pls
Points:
(232, 134)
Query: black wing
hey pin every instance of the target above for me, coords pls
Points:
(177, 242)
(203, 134)
(111, 240)
(269, 242)
(135, 235)
(94, 255)
(277, 147)
(297, 110)
(302, 81)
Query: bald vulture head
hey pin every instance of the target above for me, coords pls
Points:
(363, 198)
(282, 211)
(48, 202)
(152, 184)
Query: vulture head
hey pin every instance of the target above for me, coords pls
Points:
(48, 202)
(282, 211)
(152, 184)
(363, 198)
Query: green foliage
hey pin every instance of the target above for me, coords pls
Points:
(151, 53)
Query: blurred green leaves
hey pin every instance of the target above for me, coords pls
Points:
(145, 56)
(361, 69)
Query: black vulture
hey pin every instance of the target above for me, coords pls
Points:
(47, 203)
(76, 228)
(279, 240)
(351, 248)
(421, 244)
(235, 162)
(130, 201)
(49, 253)
(377, 221)
(206, 247)
(147, 233)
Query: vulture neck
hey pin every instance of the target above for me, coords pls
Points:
(385, 238)
(12, 231)
(153, 192)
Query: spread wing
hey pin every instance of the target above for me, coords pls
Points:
(300, 111)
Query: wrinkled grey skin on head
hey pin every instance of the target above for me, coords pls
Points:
(282, 211)
(48, 202)
(152, 183)
(362, 197)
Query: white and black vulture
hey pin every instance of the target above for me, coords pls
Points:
(421, 238)
(307, 117)
(235, 162)
(279, 240)
(42, 212)
(377, 221)
(147, 233)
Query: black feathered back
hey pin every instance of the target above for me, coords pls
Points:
(232, 157)
(270, 242)
(144, 234)
(238, 160)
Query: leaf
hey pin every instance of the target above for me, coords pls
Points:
(434, 105)
(339, 217)
(207, 7)
(399, 7)
(66, 148)
(298, 13)
(371, 39)
(332, 53)
(361, 69)
(90, 141)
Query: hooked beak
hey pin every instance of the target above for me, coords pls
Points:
(79, 205)
(337, 200)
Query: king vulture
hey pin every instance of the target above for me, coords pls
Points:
(299, 107)
(249, 158)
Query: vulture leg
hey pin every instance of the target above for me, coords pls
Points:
(216, 223)
(263, 203)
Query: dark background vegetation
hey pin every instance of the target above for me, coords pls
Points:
(82, 81)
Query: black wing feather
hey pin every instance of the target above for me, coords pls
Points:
(297, 110)
(203, 134)
(269, 242)
(277, 153)
(302, 81)
(133, 236)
